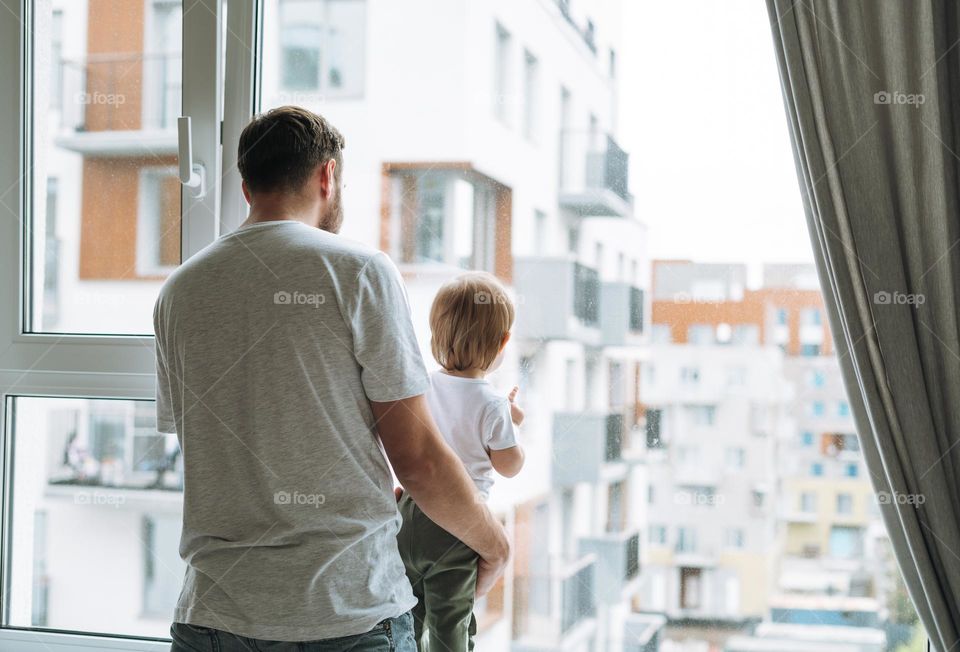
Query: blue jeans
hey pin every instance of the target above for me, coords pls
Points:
(391, 635)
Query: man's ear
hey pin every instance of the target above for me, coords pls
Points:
(328, 178)
(246, 191)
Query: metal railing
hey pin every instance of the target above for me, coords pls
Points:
(591, 160)
(120, 91)
(586, 294)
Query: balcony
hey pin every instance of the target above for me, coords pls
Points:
(593, 175)
(618, 564)
(116, 104)
(568, 300)
(621, 322)
(587, 447)
(642, 632)
(561, 607)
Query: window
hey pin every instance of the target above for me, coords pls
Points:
(158, 215)
(843, 409)
(844, 503)
(736, 458)
(809, 350)
(540, 232)
(530, 95)
(816, 469)
(808, 502)
(734, 538)
(817, 378)
(781, 316)
(322, 46)
(806, 438)
(651, 494)
(97, 207)
(657, 535)
(686, 540)
(701, 415)
(689, 375)
(852, 470)
(501, 74)
(810, 317)
(700, 334)
(817, 409)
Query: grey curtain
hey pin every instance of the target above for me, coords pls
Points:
(872, 94)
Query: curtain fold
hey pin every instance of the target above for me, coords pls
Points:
(872, 96)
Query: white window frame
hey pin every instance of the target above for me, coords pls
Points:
(85, 365)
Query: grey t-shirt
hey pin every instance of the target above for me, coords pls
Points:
(270, 344)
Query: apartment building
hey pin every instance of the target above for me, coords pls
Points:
(500, 155)
(716, 418)
(828, 542)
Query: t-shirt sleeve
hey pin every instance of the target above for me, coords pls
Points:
(384, 342)
(499, 432)
(164, 403)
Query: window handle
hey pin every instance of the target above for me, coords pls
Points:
(192, 176)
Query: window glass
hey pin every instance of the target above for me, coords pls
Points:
(96, 522)
(105, 210)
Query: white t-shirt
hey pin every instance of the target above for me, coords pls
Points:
(271, 343)
(474, 419)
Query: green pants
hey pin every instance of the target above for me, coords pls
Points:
(443, 573)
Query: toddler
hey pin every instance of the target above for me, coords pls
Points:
(470, 323)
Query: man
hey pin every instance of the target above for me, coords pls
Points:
(287, 365)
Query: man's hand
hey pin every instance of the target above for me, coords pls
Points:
(516, 414)
(488, 572)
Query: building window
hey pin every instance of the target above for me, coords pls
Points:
(781, 316)
(612, 66)
(690, 588)
(445, 217)
(658, 535)
(843, 409)
(845, 542)
(531, 74)
(734, 538)
(689, 375)
(816, 469)
(686, 540)
(810, 317)
(651, 494)
(806, 438)
(700, 334)
(844, 503)
(701, 415)
(158, 221)
(736, 458)
(817, 409)
(322, 46)
(501, 75)
(661, 334)
(540, 232)
(162, 567)
(809, 350)
(808, 502)
(852, 470)
(817, 378)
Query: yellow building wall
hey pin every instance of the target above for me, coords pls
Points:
(817, 533)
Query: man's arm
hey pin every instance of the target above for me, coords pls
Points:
(435, 478)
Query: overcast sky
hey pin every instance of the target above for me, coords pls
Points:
(702, 116)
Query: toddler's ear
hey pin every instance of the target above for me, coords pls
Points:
(503, 342)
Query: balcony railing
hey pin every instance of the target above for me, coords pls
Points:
(593, 174)
(586, 294)
(621, 320)
(120, 92)
(618, 563)
(568, 295)
(585, 445)
(558, 603)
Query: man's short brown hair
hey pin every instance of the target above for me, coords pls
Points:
(468, 319)
(281, 148)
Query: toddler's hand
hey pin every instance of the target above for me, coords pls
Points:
(516, 414)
